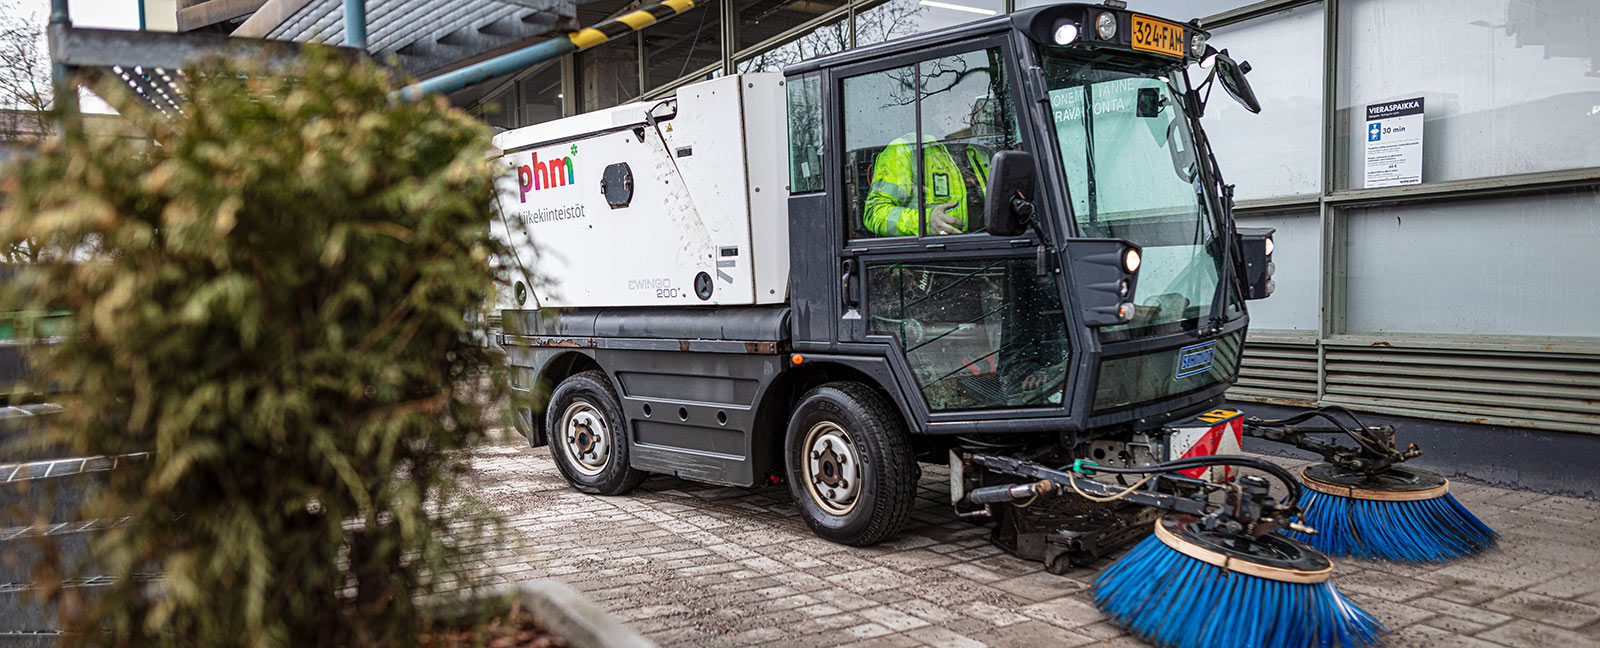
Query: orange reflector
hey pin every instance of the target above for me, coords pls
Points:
(797, 358)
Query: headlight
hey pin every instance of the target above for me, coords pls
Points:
(1066, 33)
(1106, 25)
(1269, 246)
(1197, 45)
(1131, 260)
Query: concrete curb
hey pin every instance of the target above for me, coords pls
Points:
(560, 608)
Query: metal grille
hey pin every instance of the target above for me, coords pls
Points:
(1519, 385)
(1278, 368)
(1552, 391)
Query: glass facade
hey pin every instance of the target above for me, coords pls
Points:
(1297, 239)
(1515, 266)
(1289, 86)
(828, 38)
(669, 55)
(609, 74)
(761, 21)
(1420, 299)
(1509, 87)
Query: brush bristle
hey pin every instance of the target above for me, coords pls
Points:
(1430, 530)
(1174, 601)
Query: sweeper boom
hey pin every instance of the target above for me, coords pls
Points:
(1004, 245)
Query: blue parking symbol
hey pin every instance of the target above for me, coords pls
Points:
(1374, 131)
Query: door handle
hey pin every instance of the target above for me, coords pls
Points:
(848, 284)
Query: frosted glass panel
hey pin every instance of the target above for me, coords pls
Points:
(1297, 244)
(1509, 87)
(1510, 266)
(1277, 152)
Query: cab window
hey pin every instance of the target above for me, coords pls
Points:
(917, 144)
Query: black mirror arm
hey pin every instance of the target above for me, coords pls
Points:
(1025, 210)
(1232, 269)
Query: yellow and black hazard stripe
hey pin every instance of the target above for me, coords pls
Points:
(628, 22)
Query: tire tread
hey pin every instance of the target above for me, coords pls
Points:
(631, 478)
(897, 491)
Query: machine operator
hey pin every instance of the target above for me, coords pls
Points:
(956, 184)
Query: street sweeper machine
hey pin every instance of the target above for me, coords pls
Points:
(1005, 247)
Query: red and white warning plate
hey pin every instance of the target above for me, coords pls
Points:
(1217, 432)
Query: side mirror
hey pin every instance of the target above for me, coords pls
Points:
(1255, 248)
(1008, 205)
(1232, 73)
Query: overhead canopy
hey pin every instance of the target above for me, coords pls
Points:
(425, 35)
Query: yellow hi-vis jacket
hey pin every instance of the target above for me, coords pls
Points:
(891, 206)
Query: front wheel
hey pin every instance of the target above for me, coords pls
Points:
(587, 435)
(850, 464)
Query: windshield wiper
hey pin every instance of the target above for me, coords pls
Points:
(1088, 131)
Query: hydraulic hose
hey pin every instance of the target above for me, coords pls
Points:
(1290, 483)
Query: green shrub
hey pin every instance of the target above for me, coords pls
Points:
(273, 291)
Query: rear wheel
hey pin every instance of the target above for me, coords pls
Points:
(587, 435)
(850, 464)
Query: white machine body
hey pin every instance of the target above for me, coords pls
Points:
(707, 173)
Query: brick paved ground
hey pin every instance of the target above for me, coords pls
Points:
(697, 565)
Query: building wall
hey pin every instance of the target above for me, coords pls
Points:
(1470, 297)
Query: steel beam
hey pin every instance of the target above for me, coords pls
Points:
(77, 48)
(1250, 11)
(208, 13)
(556, 47)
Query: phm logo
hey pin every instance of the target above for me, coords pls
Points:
(558, 172)
(1195, 359)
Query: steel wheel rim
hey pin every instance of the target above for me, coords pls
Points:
(585, 438)
(831, 468)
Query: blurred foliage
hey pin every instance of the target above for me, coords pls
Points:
(277, 292)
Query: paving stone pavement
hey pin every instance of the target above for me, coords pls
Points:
(690, 564)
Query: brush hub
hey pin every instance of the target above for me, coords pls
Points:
(1272, 556)
(1397, 484)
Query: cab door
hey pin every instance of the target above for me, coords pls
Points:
(971, 323)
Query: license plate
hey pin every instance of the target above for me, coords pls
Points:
(1157, 36)
(1194, 359)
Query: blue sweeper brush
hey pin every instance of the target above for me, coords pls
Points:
(1400, 514)
(1188, 587)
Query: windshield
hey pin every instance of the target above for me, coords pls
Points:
(1133, 173)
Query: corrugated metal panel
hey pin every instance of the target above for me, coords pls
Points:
(1279, 368)
(1521, 383)
(430, 33)
(1555, 391)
